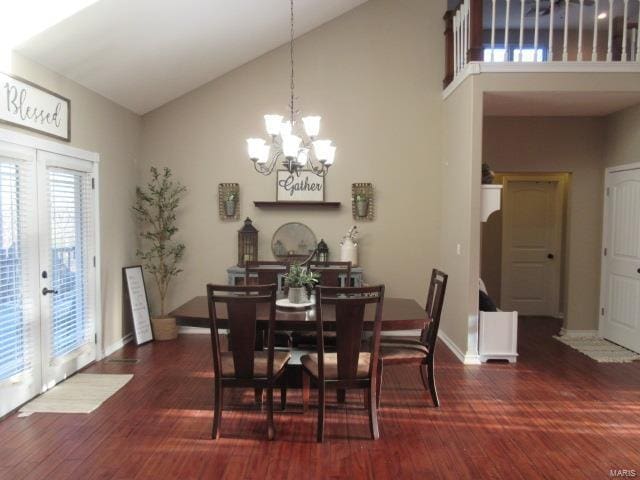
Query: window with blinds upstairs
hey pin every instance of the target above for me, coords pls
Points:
(71, 257)
(17, 205)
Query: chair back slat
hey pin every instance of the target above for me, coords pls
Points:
(241, 303)
(346, 307)
(435, 302)
(330, 273)
(349, 326)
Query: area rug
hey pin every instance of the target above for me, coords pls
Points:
(82, 393)
(601, 350)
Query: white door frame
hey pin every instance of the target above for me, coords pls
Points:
(605, 231)
(38, 143)
(561, 180)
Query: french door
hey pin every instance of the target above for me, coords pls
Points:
(47, 271)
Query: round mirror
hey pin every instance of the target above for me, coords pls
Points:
(293, 242)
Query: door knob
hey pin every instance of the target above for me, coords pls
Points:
(551, 256)
(45, 291)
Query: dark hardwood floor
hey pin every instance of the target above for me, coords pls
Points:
(555, 414)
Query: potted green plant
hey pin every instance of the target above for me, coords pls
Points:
(230, 204)
(155, 209)
(300, 281)
(362, 205)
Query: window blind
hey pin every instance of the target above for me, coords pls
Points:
(17, 205)
(71, 257)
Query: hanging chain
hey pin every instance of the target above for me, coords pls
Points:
(293, 85)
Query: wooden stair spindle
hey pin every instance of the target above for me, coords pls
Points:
(476, 49)
(448, 46)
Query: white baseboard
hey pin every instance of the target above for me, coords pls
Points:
(467, 359)
(578, 333)
(197, 330)
(115, 346)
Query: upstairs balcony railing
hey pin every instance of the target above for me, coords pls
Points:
(541, 32)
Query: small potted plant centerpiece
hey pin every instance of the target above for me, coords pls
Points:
(230, 204)
(362, 205)
(300, 281)
(155, 209)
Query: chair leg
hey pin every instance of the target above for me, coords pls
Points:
(341, 395)
(379, 382)
(258, 396)
(283, 398)
(321, 401)
(271, 429)
(217, 410)
(424, 375)
(432, 383)
(306, 387)
(373, 412)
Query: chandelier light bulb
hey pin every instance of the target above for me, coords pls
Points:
(321, 147)
(291, 145)
(263, 154)
(312, 125)
(272, 124)
(303, 157)
(331, 155)
(255, 147)
(285, 129)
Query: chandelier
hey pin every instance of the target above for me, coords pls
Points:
(294, 142)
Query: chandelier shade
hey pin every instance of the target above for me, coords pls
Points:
(293, 141)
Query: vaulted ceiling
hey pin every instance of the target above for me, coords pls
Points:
(144, 53)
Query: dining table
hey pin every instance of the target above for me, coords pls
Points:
(397, 314)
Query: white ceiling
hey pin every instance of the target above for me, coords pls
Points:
(144, 53)
(557, 104)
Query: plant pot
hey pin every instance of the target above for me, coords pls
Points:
(349, 252)
(298, 295)
(164, 328)
(362, 208)
(230, 208)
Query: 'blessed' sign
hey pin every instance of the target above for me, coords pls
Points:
(29, 106)
(306, 187)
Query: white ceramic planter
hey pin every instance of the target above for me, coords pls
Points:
(349, 252)
(298, 295)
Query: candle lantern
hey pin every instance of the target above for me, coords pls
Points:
(247, 243)
(322, 254)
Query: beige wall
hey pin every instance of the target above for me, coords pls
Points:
(101, 126)
(622, 137)
(375, 76)
(574, 145)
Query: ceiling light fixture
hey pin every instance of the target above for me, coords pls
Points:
(295, 143)
(602, 16)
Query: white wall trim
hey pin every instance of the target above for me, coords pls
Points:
(476, 68)
(117, 345)
(578, 333)
(467, 359)
(47, 145)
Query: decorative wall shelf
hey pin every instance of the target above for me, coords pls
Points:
(297, 204)
(490, 200)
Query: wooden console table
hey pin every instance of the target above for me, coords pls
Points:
(235, 276)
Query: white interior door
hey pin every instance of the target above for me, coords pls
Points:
(620, 287)
(531, 245)
(20, 366)
(67, 256)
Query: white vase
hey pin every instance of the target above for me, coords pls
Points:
(349, 251)
(298, 295)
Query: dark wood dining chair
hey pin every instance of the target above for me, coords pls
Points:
(350, 366)
(417, 350)
(331, 272)
(243, 366)
(265, 272)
